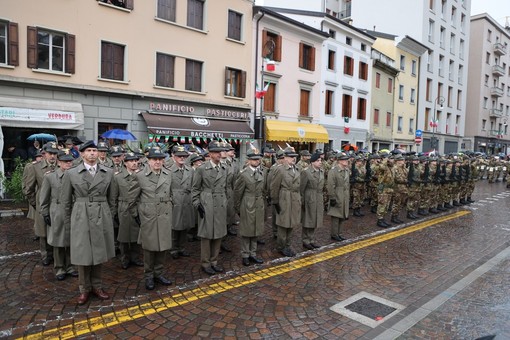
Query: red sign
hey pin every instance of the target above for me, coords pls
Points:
(417, 140)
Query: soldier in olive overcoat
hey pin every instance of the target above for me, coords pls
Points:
(86, 199)
(249, 198)
(58, 231)
(183, 219)
(286, 198)
(209, 197)
(339, 190)
(154, 191)
(124, 208)
(312, 191)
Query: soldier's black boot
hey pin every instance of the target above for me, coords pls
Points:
(470, 200)
(382, 223)
(395, 219)
(357, 212)
(433, 211)
(411, 216)
(463, 201)
(457, 204)
(440, 207)
(448, 205)
(373, 209)
(422, 212)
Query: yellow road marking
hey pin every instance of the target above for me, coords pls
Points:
(79, 328)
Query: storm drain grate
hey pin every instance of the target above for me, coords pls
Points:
(367, 309)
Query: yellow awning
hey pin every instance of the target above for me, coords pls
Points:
(277, 130)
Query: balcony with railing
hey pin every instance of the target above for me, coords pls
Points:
(498, 70)
(496, 133)
(496, 113)
(499, 49)
(496, 91)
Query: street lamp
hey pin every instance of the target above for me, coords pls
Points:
(433, 142)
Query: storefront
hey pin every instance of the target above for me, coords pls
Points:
(342, 135)
(302, 136)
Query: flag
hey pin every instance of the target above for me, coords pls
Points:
(259, 94)
(434, 123)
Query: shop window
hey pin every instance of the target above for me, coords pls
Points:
(363, 70)
(196, 14)
(193, 75)
(306, 57)
(348, 65)
(48, 50)
(346, 106)
(328, 110)
(234, 25)
(362, 109)
(304, 103)
(9, 45)
(271, 46)
(165, 70)
(167, 9)
(270, 98)
(235, 83)
(112, 61)
(127, 4)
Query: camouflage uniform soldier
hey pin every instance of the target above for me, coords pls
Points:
(444, 186)
(414, 182)
(358, 175)
(385, 182)
(483, 164)
(400, 192)
(491, 169)
(424, 186)
(474, 175)
(433, 193)
(373, 160)
(304, 160)
(267, 160)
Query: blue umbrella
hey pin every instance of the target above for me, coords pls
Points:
(42, 137)
(118, 134)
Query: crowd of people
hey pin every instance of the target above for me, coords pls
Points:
(93, 201)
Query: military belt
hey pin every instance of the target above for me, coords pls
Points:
(156, 200)
(91, 199)
(213, 191)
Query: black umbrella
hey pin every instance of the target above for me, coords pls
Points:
(64, 138)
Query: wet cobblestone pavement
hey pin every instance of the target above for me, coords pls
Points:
(449, 271)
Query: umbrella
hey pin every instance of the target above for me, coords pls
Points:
(42, 137)
(349, 147)
(119, 134)
(64, 138)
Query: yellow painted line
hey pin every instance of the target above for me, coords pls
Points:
(79, 328)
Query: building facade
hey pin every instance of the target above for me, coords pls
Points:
(488, 103)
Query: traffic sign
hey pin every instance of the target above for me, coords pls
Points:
(419, 133)
(417, 140)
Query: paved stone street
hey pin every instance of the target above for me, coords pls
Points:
(441, 277)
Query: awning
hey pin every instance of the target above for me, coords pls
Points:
(196, 127)
(277, 130)
(40, 113)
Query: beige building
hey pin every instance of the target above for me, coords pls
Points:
(488, 103)
(167, 70)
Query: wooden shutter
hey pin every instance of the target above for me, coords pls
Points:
(31, 47)
(130, 4)
(269, 98)
(106, 60)
(312, 59)
(70, 53)
(227, 81)
(304, 103)
(13, 43)
(301, 57)
(264, 41)
(243, 84)
(277, 54)
(197, 73)
(118, 62)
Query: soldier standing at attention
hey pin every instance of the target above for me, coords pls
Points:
(209, 197)
(304, 161)
(400, 175)
(270, 176)
(34, 179)
(339, 191)
(85, 196)
(413, 181)
(286, 198)
(57, 230)
(267, 160)
(102, 155)
(358, 177)
(233, 165)
(385, 183)
(182, 220)
(153, 189)
(249, 198)
(124, 211)
(312, 191)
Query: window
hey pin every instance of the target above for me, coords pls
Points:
(331, 60)
(193, 75)
(332, 34)
(489, 35)
(306, 57)
(426, 119)
(488, 58)
(442, 31)
(449, 96)
(348, 65)
(441, 65)
(235, 83)
(454, 16)
(430, 60)
(428, 90)
(9, 48)
(484, 124)
(128, 4)
(272, 46)
(362, 109)
(304, 103)
(103, 127)
(377, 80)
(270, 98)
(196, 14)
(363, 70)
(346, 106)
(166, 10)
(443, 8)
(112, 61)
(399, 123)
(413, 67)
(461, 49)
(459, 99)
(402, 62)
(328, 110)
(50, 51)
(431, 5)
(165, 71)
(463, 23)
(460, 74)
(431, 31)
(485, 101)
(363, 47)
(450, 70)
(452, 43)
(388, 118)
(348, 40)
(486, 81)
(234, 25)
(401, 92)
(413, 96)
(411, 125)
(376, 116)
(390, 85)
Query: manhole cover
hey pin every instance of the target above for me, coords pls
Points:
(370, 308)
(367, 309)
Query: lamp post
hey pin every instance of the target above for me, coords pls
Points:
(433, 141)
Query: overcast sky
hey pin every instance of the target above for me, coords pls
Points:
(497, 9)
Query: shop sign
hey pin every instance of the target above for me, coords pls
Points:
(198, 110)
(36, 115)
